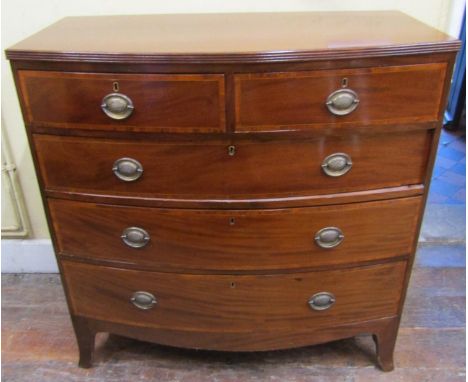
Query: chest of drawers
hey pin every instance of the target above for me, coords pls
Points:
(235, 182)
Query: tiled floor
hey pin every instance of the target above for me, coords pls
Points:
(444, 220)
(448, 181)
(38, 343)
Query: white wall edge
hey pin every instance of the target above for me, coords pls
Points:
(28, 256)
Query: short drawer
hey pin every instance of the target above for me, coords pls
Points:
(211, 170)
(234, 304)
(126, 102)
(298, 100)
(237, 240)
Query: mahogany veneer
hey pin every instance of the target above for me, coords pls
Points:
(204, 170)
(413, 91)
(240, 305)
(236, 240)
(235, 182)
(165, 102)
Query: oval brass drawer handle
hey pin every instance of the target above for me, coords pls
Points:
(143, 300)
(329, 237)
(135, 237)
(117, 106)
(127, 169)
(342, 102)
(322, 301)
(337, 164)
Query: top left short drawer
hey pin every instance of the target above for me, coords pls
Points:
(123, 102)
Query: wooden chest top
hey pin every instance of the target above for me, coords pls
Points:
(230, 38)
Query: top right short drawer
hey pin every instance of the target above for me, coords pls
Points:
(364, 96)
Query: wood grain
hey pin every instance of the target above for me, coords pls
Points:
(234, 304)
(163, 102)
(430, 167)
(231, 67)
(254, 240)
(295, 100)
(262, 340)
(401, 69)
(233, 204)
(256, 171)
(233, 38)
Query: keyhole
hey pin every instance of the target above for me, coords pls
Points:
(344, 82)
(231, 150)
(233, 284)
(115, 86)
(232, 221)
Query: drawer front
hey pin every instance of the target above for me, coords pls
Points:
(208, 303)
(144, 102)
(206, 170)
(180, 239)
(397, 94)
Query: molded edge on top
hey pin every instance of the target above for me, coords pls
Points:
(232, 38)
(226, 58)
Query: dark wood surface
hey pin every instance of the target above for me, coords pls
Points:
(241, 37)
(384, 329)
(232, 204)
(205, 170)
(255, 240)
(392, 152)
(275, 101)
(429, 170)
(169, 103)
(229, 68)
(38, 343)
(234, 304)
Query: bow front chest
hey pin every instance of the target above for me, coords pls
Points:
(236, 182)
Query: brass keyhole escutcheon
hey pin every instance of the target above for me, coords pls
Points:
(115, 86)
(232, 221)
(232, 150)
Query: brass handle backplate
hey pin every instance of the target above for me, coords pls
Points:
(322, 301)
(127, 169)
(143, 300)
(342, 102)
(337, 164)
(117, 106)
(135, 237)
(329, 237)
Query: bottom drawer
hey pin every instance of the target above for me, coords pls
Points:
(234, 305)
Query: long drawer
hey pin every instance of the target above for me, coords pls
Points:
(366, 96)
(240, 305)
(125, 102)
(247, 170)
(166, 239)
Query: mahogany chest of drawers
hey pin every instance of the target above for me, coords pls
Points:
(235, 182)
